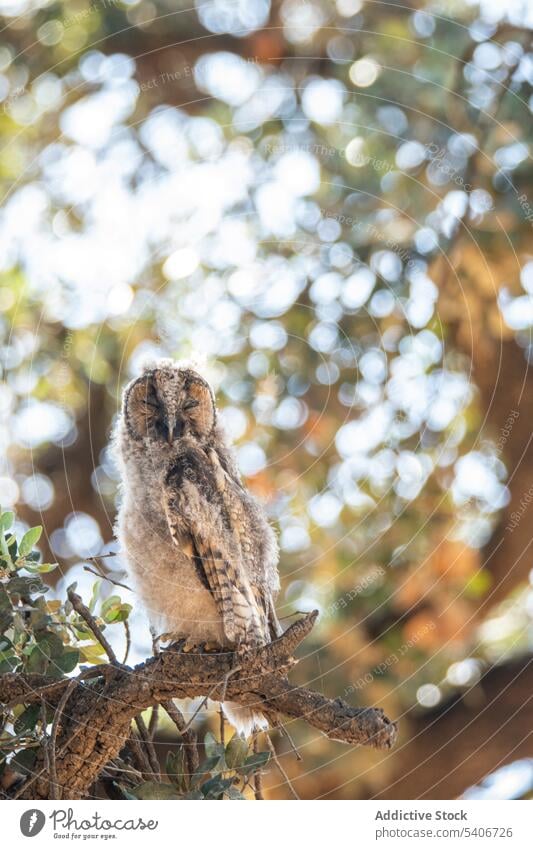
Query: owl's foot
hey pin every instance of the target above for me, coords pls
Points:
(169, 637)
(210, 647)
(200, 648)
(179, 644)
(188, 645)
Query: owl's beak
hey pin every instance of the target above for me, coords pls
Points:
(174, 428)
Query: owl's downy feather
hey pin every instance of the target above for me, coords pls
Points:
(190, 494)
(198, 543)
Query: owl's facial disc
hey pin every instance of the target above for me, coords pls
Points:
(167, 406)
(197, 407)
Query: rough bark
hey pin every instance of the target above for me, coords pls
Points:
(96, 718)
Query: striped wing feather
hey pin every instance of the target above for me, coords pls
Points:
(195, 515)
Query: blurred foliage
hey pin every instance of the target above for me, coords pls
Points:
(330, 202)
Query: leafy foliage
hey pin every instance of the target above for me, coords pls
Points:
(224, 774)
(38, 637)
(51, 639)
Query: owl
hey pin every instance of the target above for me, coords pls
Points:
(199, 547)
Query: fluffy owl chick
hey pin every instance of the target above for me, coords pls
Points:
(202, 554)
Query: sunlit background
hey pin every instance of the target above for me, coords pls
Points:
(330, 204)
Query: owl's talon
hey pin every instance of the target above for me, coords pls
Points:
(167, 637)
(189, 647)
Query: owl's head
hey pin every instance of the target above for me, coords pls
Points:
(169, 402)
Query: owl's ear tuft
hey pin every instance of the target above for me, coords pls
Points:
(151, 363)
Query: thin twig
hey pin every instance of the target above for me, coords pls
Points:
(295, 613)
(140, 756)
(148, 745)
(155, 642)
(258, 778)
(119, 766)
(152, 725)
(23, 741)
(128, 641)
(279, 766)
(101, 574)
(45, 740)
(175, 715)
(89, 619)
(103, 556)
(222, 726)
(281, 728)
(55, 790)
(190, 740)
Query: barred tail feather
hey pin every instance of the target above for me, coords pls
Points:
(244, 720)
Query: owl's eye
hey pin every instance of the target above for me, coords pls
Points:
(190, 404)
(153, 404)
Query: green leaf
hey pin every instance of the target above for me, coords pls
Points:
(216, 786)
(6, 610)
(125, 791)
(236, 751)
(94, 653)
(37, 662)
(24, 761)
(109, 603)
(254, 763)
(25, 586)
(9, 662)
(46, 658)
(68, 660)
(114, 610)
(40, 617)
(206, 766)
(6, 520)
(40, 568)
(11, 543)
(155, 790)
(30, 539)
(50, 644)
(118, 614)
(176, 768)
(212, 747)
(94, 596)
(27, 719)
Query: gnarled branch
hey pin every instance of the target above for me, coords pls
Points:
(96, 723)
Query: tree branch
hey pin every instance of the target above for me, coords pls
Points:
(101, 709)
(83, 611)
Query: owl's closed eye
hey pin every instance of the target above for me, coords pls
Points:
(164, 407)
